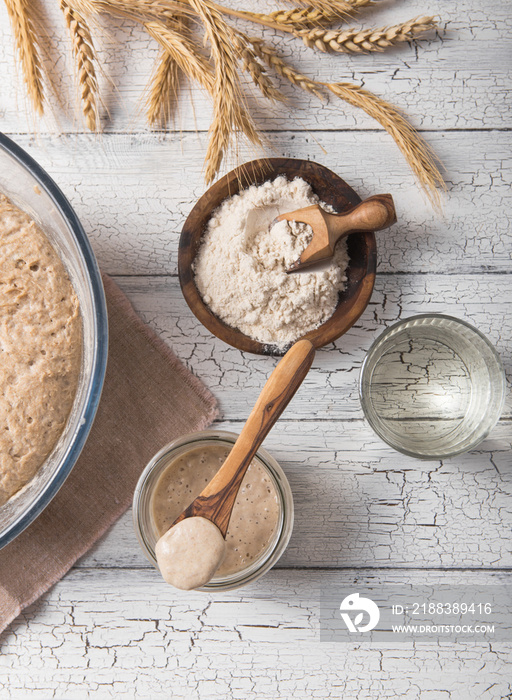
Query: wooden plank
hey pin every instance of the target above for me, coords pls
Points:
(126, 634)
(330, 391)
(358, 503)
(457, 80)
(133, 193)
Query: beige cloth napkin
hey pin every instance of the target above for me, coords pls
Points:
(148, 399)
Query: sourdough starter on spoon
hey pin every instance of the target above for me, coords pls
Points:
(254, 521)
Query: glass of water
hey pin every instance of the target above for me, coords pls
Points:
(432, 386)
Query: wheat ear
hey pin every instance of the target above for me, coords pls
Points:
(318, 14)
(272, 20)
(28, 49)
(338, 8)
(252, 64)
(298, 18)
(184, 52)
(160, 20)
(417, 153)
(420, 157)
(266, 54)
(163, 88)
(83, 50)
(164, 84)
(138, 10)
(301, 17)
(361, 41)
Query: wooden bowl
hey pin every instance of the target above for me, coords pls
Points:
(331, 189)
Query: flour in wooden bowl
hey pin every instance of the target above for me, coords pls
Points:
(40, 348)
(240, 268)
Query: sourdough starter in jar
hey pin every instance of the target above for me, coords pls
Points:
(255, 515)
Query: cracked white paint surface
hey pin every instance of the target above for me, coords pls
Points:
(330, 390)
(364, 513)
(360, 503)
(126, 634)
(135, 228)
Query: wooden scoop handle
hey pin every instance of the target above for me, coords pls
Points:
(374, 214)
(217, 499)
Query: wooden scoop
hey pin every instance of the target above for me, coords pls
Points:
(374, 214)
(217, 499)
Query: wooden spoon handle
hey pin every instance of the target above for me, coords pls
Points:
(216, 501)
(374, 214)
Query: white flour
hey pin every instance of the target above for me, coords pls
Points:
(240, 266)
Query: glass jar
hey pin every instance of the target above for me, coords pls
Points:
(146, 530)
(432, 386)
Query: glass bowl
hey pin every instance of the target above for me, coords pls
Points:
(145, 528)
(31, 189)
(432, 386)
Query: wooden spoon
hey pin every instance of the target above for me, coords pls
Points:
(217, 499)
(374, 214)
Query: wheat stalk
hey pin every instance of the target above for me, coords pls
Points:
(28, 50)
(83, 50)
(229, 112)
(361, 41)
(230, 49)
(417, 153)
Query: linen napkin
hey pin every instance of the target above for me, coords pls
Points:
(148, 399)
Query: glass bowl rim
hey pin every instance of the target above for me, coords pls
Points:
(100, 324)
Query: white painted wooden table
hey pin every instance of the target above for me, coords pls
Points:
(112, 628)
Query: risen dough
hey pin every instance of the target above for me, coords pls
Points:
(40, 348)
